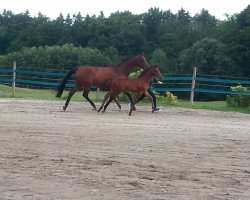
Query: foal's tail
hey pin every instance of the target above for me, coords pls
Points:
(64, 81)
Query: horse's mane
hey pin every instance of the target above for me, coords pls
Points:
(147, 69)
(124, 60)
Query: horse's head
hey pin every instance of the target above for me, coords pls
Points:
(156, 72)
(141, 61)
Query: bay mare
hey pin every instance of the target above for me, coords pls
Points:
(100, 77)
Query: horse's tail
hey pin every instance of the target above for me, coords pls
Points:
(64, 81)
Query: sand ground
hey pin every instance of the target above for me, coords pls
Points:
(46, 153)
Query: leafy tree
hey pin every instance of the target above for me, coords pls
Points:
(92, 57)
(204, 25)
(159, 58)
(125, 33)
(151, 21)
(112, 53)
(10, 27)
(235, 32)
(209, 56)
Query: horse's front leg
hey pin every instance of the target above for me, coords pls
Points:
(152, 101)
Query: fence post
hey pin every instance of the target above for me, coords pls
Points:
(14, 79)
(193, 86)
(97, 93)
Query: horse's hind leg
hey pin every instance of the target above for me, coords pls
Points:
(132, 105)
(112, 95)
(141, 98)
(117, 103)
(86, 96)
(106, 105)
(71, 93)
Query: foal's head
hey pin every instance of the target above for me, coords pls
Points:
(152, 71)
(156, 72)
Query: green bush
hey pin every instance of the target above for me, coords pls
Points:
(238, 101)
(170, 98)
(56, 57)
(167, 98)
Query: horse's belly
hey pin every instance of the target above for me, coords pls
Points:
(103, 84)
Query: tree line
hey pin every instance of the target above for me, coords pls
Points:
(175, 42)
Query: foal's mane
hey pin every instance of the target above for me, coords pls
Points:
(146, 70)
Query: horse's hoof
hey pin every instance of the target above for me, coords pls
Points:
(132, 107)
(64, 108)
(103, 111)
(154, 109)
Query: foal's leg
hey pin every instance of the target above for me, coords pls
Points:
(71, 93)
(117, 103)
(104, 100)
(131, 100)
(112, 95)
(152, 100)
(151, 93)
(106, 105)
(133, 103)
(86, 96)
(141, 98)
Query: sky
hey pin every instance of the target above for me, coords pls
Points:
(52, 8)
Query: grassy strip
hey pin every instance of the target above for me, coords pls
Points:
(28, 93)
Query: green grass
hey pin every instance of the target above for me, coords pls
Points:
(27, 93)
(208, 105)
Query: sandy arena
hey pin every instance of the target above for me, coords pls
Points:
(48, 154)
